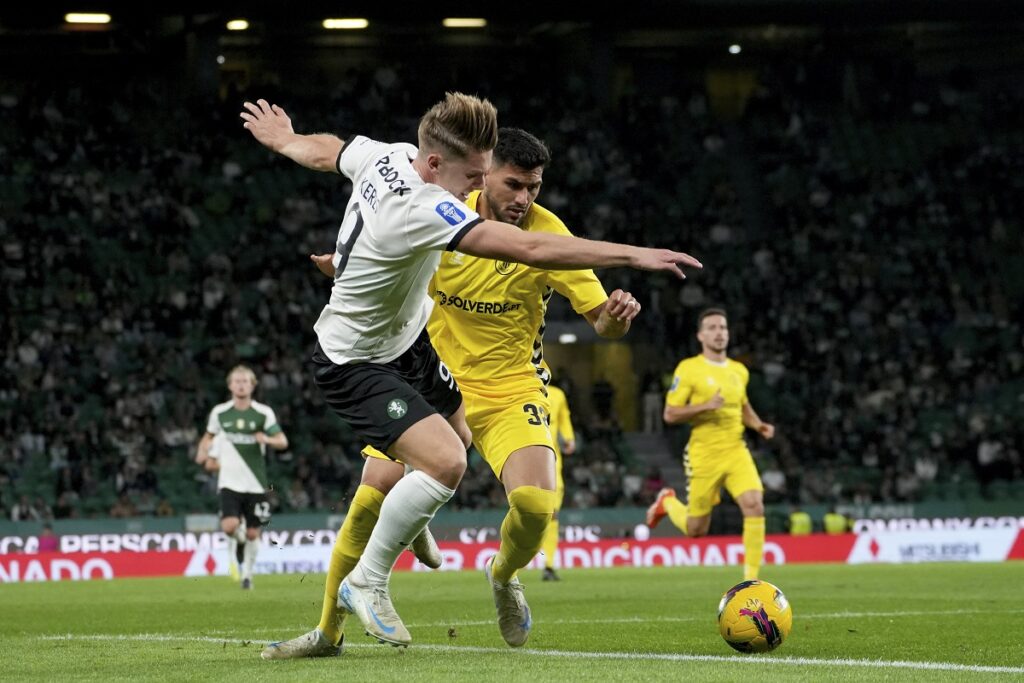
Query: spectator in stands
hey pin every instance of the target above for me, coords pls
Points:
(25, 511)
(122, 507)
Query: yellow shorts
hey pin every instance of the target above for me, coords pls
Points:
(501, 425)
(706, 474)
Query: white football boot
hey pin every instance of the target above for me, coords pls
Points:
(372, 604)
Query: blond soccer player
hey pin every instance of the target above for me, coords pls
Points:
(709, 391)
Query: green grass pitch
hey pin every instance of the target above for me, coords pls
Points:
(946, 622)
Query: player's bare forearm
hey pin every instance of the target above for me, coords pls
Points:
(203, 449)
(495, 240)
(211, 465)
(750, 417)
(278, 441)
(318, 152)
(272, 128)
(753, 421)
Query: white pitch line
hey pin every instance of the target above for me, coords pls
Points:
(655, 620)
(760, 660)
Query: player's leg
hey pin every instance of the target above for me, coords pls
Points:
(744, 484)
(380, 474)
(256, 516)
(703, 493)
(513, 437)
(529, 480)
(401, 408)
(231, 516)
(435, 451)
(549, 544)
(528, 477)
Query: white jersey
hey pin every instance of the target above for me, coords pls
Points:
(389, 245)
(243, 466)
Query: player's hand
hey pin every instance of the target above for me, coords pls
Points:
(716, 401)
(324, 263)
(766, 430)
(664, 260)
(268, 123)
(568, 448)
(621, 306)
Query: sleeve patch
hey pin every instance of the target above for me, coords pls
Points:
(451, 213)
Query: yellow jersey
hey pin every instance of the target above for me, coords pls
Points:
(488, 319)
(695, 381)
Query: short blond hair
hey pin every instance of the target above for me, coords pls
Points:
(243, 369)
(459, 125)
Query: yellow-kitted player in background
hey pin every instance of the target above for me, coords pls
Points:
(563, 439)
(709, 391)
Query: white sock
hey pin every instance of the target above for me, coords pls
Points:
(240, 534)
(252, 547)
(406, 510)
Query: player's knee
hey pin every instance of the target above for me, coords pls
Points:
(252, 533)
(450, 466)
(229, 524)
(535, 507)
(754, 509)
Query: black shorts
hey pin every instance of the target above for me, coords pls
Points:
(382, 400)
(253, 506)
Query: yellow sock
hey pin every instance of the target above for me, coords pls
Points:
(753, 546)
(355, 532)
(549, 545)
(676, 511)
(529, 511)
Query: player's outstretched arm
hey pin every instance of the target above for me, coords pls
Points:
(270, 125)
(494, 240)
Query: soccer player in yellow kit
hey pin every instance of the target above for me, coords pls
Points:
(563, 440)
(710, 392)
(487, 326)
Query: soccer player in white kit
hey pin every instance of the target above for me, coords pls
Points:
(374, 362)
(235, 447)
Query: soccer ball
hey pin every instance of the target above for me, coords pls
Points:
(754, 616)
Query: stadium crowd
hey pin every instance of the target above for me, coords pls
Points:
(864, 236)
